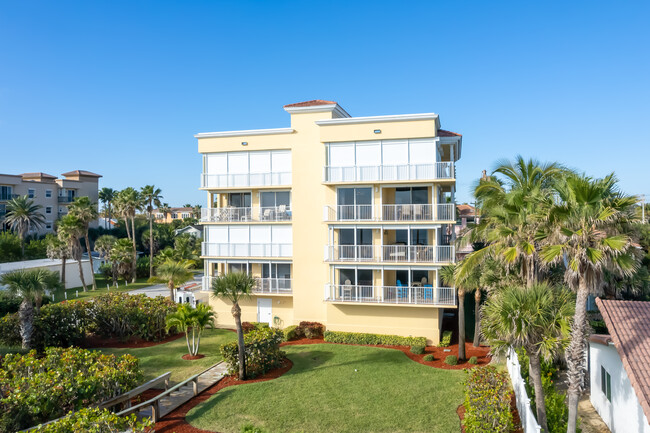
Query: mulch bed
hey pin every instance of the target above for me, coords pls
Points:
(97, 341)
(175, 421)
(189, 357)
(513, 408)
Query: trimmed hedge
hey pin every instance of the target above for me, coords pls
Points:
(428, 358)
(451, 360)
(473, 360)
(249, 326)
(262, 348)
(373, 339)
(312, 329)
(96, 421)
(487, 401)
(291, 333)
(445, 341)
(418, 349)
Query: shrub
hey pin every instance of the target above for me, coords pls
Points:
(373, 339)
(38, 389)
(62, 325)
(428, 358)
(262, 348)
(473, 360)
(250, 428)
(250, 326)
(97, 421)
(142, 267)
(451, 360)
(417, 349)
(487, 401)
(445, 341)
(8, 303)
(10, 330)
(291, 333)
(312, 329)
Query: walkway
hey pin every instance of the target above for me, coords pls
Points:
(590, 421)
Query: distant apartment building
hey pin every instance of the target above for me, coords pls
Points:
(46, 190)
(343, 220)
(174, 213)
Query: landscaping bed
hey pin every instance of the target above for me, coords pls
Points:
(97, 342)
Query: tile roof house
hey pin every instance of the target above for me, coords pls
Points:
(619, 365)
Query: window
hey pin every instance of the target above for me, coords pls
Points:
(48, 193)
(30, 193)
(6, 192)
(276, 270)
(238, 267)
(239, 199)
(276, 198)
(48, 226)
(606, 383)
(160, 216)
(185, 215)
(174, 215)
(354, 203)
(48, 209)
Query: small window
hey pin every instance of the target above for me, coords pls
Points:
(48, 193)
(30, 193)
(48, 226)
(48, 209)
(160, 216)
(606, 383)
(185, 215)
(174, 216)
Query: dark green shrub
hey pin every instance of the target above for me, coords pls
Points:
(373, 339)
(250, 428)
(312, 329)
(8, 303)
(291, 333)
(62, 325)
(142, 267)
(417, 349)
(97, 421)
(10, 249)
(428, 358)
(599, 326)
(451, 360)
(262, 347)
(473, 360)
(445, 341)
(10, 330)
(487, 401)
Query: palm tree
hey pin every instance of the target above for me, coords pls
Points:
(173, 273)
(588, 232)
(70, 231)
(150, 196)
(57, 249)
(30, 286)
(104, 245)
(449, 275)
(128, 202)
(22, 216)
(121, 256)
(86, 212)
(196, 319)
(164, 209)
(107, 195)
(536, 319)
(233, 287)
(196, 210)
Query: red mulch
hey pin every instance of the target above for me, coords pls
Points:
(175, 421)
(97, 341)
(189, 357)
(513, 408)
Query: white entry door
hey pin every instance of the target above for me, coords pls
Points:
(264, 314)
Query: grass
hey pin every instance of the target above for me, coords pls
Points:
(101, 289)
(159, 359)
(338, 388)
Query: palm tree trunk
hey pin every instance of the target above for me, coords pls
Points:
(135, 255)
(477, 317)
(126, 225)
(236, 313)
(26, 317)
(81, 270)
(575, 355)
(90, 256)
(536, 376)
(461, 325)
(170, 284)
(150, 245)
(187, 339)
(23, 234)
(63, 262)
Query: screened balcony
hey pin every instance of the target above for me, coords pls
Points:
(400, 295)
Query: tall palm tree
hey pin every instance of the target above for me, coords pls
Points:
(196, 319)
(70, 231)
(588, 232)
(30, 285)
(22, 216)
(121, 257)
(129, 202)
(536, 319)
(104, 245)
(196, 210)
(86, 212)
(449, 275)
(173, 273)
(164, 209)
(107, 195)
(150, 196)
(57, 249)
(233, 287)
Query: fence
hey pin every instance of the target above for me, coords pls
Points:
(528, 420)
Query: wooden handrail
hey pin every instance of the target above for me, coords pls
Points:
(127, 396)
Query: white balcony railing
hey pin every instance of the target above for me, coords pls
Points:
(425, 295)
(391, 253)
(272, 286)
(438, 170)
(391, 212)
(209, 249)
(246, 179)
(246, 214)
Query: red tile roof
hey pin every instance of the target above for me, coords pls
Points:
(445, 133)
(465, 209)
(38, 174)
(628, 323)
(82, 173)
(312, 103)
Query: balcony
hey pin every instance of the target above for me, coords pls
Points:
(435, 171)
(246, 214)
(246, 179)
(246, 250)
(391, 253)
(264, 286)
(7, 197)
(396, 295)
(391, 212)
(66, 199)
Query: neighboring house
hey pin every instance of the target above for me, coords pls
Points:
(344, 220)
(46, 190)
(466, 215)
(106, 223)
(194, 230)
(619, 366)
(72, 278)
(174, 213)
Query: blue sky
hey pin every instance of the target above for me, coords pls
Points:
(119, 88)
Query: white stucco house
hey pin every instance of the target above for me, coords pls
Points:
(72, 278)
(619, 366)
(196, 231)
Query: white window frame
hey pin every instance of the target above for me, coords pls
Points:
(31, 193)
(48, 193)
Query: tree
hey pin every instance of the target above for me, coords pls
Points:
(233, 287)
(121, 256)
(536, 319)
(164, 209)
(128, 202)
(30, 285)
(449, 275)
(196, 211)
(86, 212)
(173, 273)
(588, 231)
(70, 231)
(107, 195)
(196, 319)
(22, 216)
(58, 249)
(150, 196)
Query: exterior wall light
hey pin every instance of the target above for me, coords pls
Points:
(377, 131)
(244, 143)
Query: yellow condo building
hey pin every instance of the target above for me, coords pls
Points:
(343, 220)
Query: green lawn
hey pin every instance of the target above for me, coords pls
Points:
(101, 289)
(323, 393)
(159, 359)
